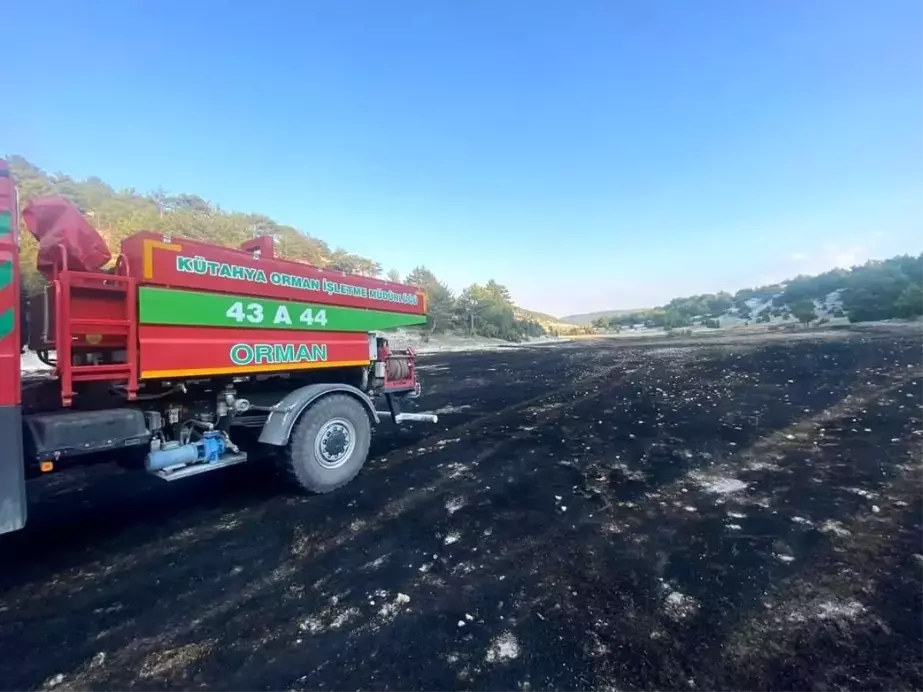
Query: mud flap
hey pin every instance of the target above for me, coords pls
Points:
(12, 471)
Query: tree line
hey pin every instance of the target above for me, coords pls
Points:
(876, 290)
(486, 310)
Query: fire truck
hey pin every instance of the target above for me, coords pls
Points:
(180, 357)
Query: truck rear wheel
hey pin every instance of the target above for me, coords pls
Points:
(329, 444)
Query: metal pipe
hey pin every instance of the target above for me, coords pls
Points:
(414, 417)
(173, 456)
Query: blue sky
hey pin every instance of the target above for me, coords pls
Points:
(590, 155)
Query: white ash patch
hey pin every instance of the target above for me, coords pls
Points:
(867, 494)
(377, 562)
(337, 597)
(718, 485)
(599, 649)
(802, 520)
(453, 504)
(504, 647)
(389, 611)
(445, 410)
(543, 408)
(464, 568)
(452, 537)
(328, 619)
(442, 443)
(679, 606)
(455, 470)
(839, 610)
(433, 580)
(835, 528)
(737, 515)
(342, 618)
(669, 351)
(760, 465)
(53, 681)
(161, 661)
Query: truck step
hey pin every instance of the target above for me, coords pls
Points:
(174, 474)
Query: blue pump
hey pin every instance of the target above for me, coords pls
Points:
(208, 449)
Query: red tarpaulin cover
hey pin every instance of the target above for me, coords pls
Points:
(58, 225)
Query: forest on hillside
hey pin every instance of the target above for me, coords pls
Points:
(483, 310)
(876, 290)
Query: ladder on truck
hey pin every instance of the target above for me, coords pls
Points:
(92, 314)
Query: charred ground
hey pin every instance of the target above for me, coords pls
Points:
(735, 513)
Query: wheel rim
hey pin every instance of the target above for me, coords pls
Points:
(335, 443)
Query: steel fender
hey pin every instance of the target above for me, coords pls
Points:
(282, 419)
(12, 471)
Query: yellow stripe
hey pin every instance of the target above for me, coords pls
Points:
(243, 371)
(149, 246)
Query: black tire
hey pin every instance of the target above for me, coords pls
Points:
(304, 462)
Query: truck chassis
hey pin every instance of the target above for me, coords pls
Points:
(147, 369)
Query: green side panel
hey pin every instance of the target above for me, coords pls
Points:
(6, 223)
(6, 274)
(194, 309)
(7, 322)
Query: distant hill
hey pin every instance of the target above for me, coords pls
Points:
(548, 322)
(877, 290)
(587, 318)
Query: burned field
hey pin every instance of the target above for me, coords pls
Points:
(725, 514)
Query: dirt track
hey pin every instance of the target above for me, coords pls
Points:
(596, 515)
